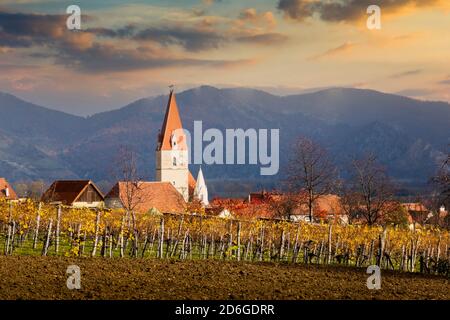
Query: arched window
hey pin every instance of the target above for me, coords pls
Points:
(175, 161)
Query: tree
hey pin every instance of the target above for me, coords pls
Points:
(283, 205)
(442, 182)
(30, 189)
(395, 214)
(126, 172)
(370, 188)
(311, 170)
(441, 194)
(351, 203)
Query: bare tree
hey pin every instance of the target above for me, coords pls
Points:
(351, 203)
(441, 193)
(442, 181)
(283, 205)
(126, 172)
(32, 190)
(311, 170)
(370, 188)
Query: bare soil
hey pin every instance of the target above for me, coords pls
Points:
(27, 277)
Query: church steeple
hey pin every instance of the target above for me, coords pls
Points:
(172, 150)
(172, 122)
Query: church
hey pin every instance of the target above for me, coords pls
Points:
(174, 186)
(172, 160)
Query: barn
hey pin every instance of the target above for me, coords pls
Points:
(75, 193)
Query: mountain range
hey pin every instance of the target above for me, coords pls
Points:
(410, 137)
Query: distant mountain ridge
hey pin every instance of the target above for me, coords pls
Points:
(409, 136)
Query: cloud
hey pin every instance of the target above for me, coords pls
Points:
(191, 39)
(110, 58)
(346, 47)
(14, 67)
(205, 35)
(4, 50)
(188, 38)
(445, 81)
(264, 39)
(346, 10)
(251, 18)
(19, 30)
(84, 51)
(134, 46)
(37, 25)
(406, 73)
(210, 2)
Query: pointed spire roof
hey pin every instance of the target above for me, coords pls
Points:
(201, 190)
(172, 122)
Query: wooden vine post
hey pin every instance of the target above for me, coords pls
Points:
(161, 239)
(58, 222)
(36, 230)
(121, 240)
(330, 230)
(238, 241)
(97, 228)
(382, 241)
(281, 250)
(47, 238)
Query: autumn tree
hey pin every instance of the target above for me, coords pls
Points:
(311, 170)
(395, 214)
(370, 189)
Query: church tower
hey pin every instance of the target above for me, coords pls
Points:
(172, 150)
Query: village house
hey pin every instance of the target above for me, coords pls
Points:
(268, 205)
(75, 193)
(326, 207)
(418, 212)
(6, 191)
(145, 196)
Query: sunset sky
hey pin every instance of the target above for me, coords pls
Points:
(128, 51)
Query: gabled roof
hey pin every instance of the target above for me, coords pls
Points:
(162, 196)
(68, 191)
(5, 185)
(172, 121)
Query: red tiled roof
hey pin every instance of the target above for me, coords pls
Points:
(263, 205)
(147, 195)
(5, 185)
(67, 191)
(172, 121)
(415, 206)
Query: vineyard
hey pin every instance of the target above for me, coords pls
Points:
(30, 228)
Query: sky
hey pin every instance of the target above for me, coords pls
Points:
(127, 50)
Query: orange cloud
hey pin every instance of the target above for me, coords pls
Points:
(346, 47)
(250, 18)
